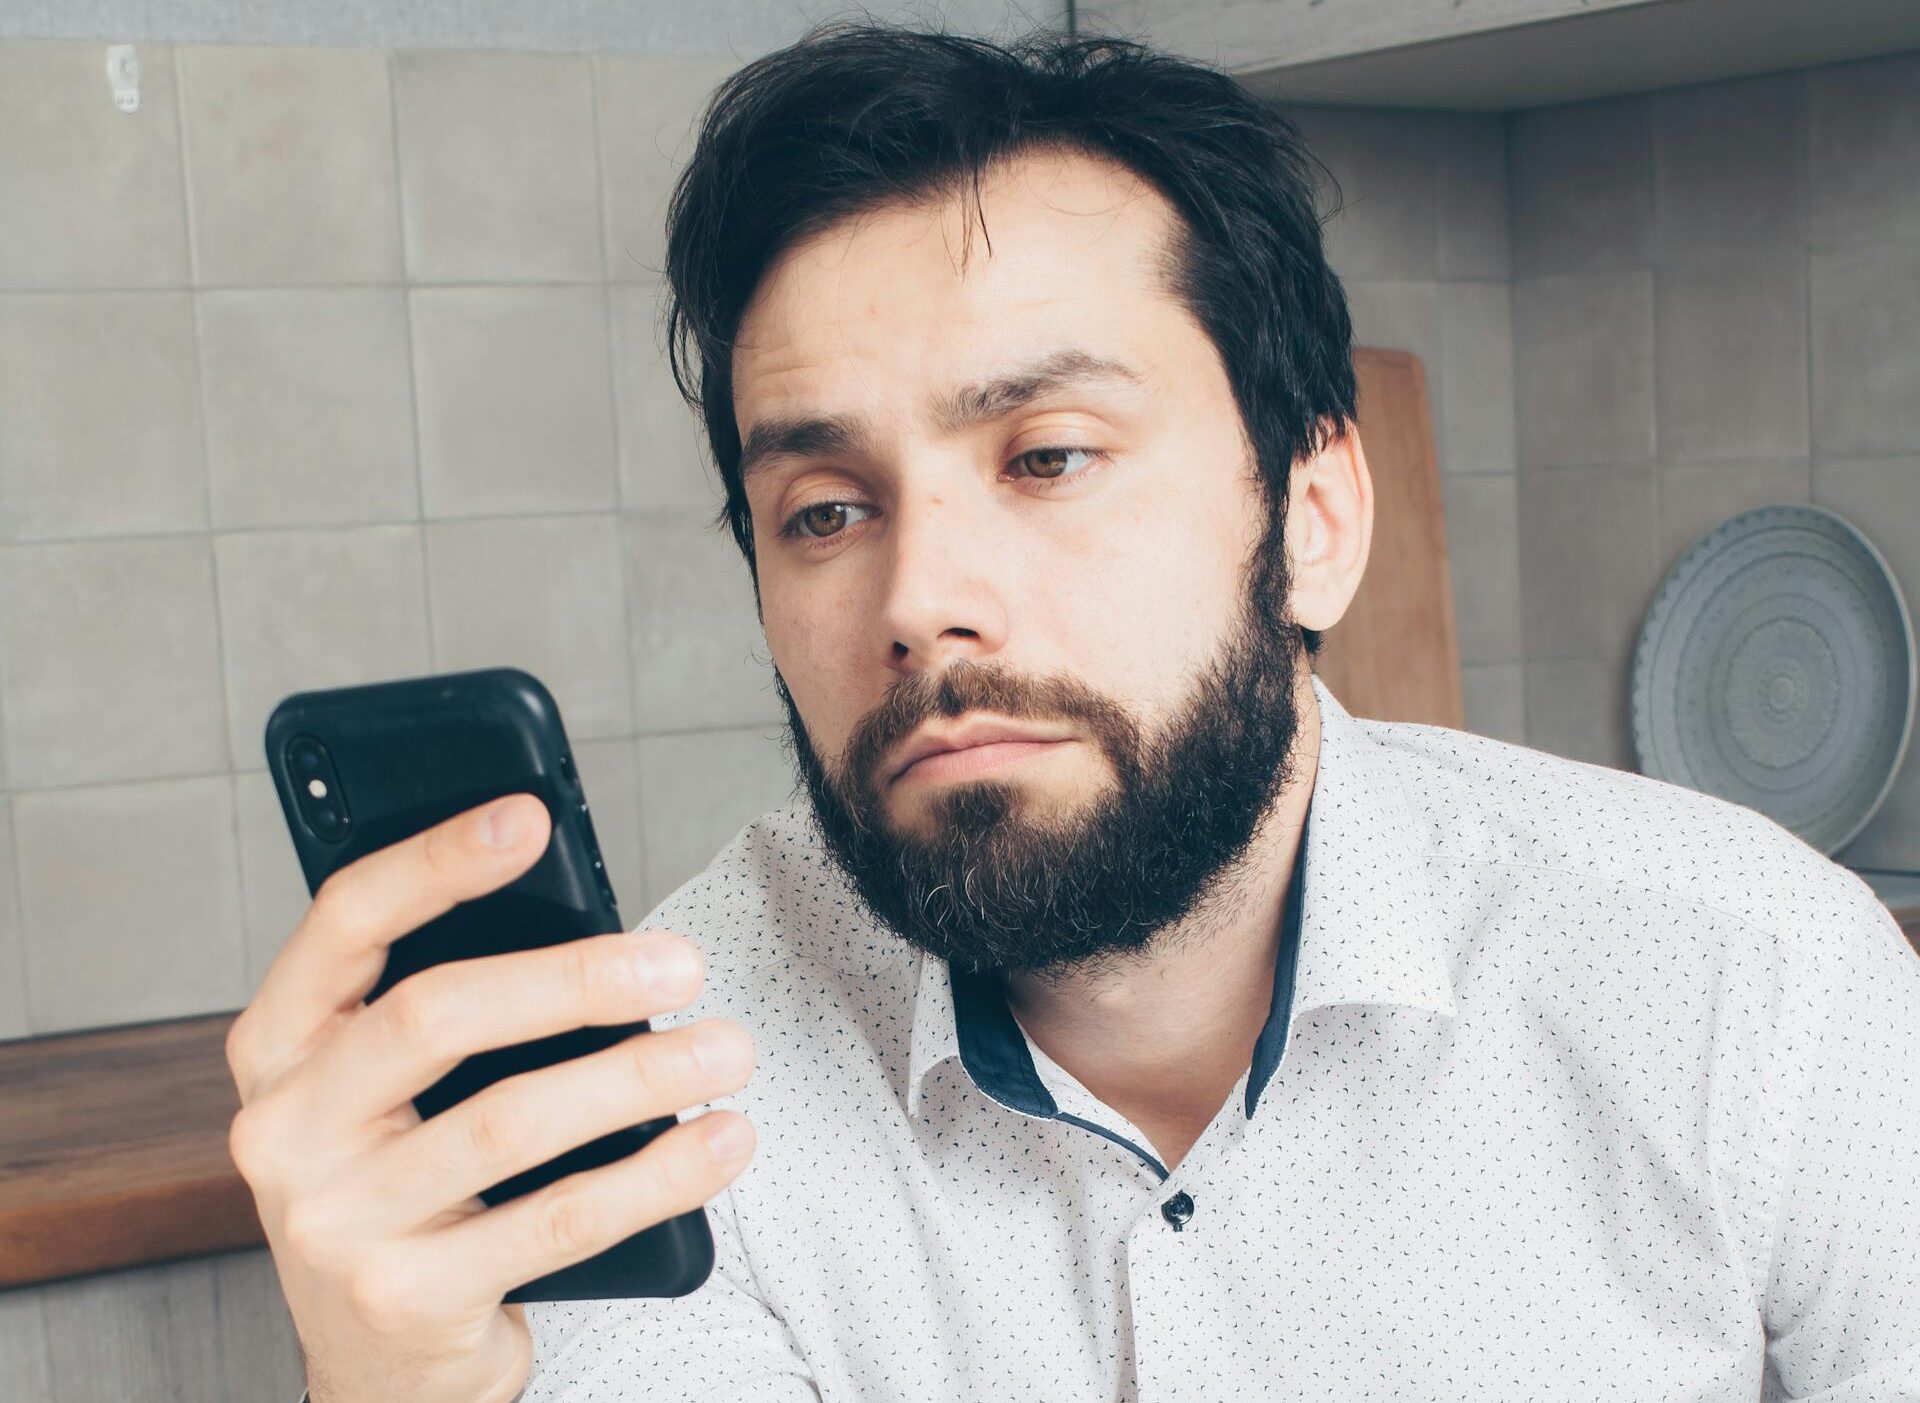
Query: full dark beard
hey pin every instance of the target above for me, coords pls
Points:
(994, 889)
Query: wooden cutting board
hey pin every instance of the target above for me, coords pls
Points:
(1394, 655)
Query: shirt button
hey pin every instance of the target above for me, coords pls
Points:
(1177, 1210)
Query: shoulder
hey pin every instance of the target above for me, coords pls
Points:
(1491, 802)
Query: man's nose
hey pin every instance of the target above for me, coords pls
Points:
(944, 579)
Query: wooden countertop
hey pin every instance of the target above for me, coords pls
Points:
(113, 1146)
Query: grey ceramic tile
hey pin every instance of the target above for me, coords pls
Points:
(301, 610)
(1588, 564)
(1730, 340)
(610, 779)
(1496, 700)
(259, 1350)
(698, 790)
(1579, 709)
(1881, 499)
(290, 169)
(497, 167)
(130, 901)
(543, 594)
(1864, 151)
(148, 1333)
(274, 895)
(663, 443)
(99, 425)
(14, 1019)
(25, 1368)
(1398, 315)
(112, 661)
(1474, 404)
(515, 400)
(648, 110)
(1388, 224)
(309, 406)
(90, 196)
(1472, 180)
(699, 655)
(1583, 369)
(1695, 497)
(1403, 316)
(1579, 179)
(1729, 166)
(1483, 553)
(1866, 356)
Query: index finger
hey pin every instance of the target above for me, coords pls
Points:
(336, 953)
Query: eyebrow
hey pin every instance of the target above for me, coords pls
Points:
(803, 436)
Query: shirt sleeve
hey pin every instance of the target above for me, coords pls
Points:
(1842, 1308)
(719, 1342)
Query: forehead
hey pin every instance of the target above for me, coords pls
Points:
(1061, 247)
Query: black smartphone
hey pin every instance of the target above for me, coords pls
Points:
(359, 768)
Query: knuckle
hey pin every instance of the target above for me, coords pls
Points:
(414, 1016)
(308, 1232)
(568, 1223)
(441, 847)
(372, 1294)
(239, 1064)
(590, 973)
(643, 1067)
(493, 1130)
(247, 1142)
(680, 1172)
(337, 904)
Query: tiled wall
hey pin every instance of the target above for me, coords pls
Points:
(1421, 245)
(1716, 305)
(329, 365)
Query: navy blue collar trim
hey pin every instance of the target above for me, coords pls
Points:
(1273, 1035)
(994, 1050)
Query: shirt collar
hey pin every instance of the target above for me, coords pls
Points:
(1363, 929)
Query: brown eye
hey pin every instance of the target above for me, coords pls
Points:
(1049, 465)
(802, 524)
(826, 514)
(1042, 469)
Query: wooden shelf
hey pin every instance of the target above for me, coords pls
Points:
(113, 1147)
(113, 1150)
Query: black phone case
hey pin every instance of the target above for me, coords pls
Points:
(409, 753)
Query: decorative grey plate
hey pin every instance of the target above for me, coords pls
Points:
(1776, 669)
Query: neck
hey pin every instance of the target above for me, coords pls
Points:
(1163, 1037)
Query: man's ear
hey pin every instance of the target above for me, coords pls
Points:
(1329, 529)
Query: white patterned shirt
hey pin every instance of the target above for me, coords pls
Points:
(1578, 1085)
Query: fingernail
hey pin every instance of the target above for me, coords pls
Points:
(664, 963)
(729, 1136)
(501, 824)
(717, 1052)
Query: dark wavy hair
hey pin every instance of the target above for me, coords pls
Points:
(853, 116)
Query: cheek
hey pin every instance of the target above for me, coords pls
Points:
(1141, 602)
(816, 643)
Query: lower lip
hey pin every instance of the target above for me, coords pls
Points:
(976, 759)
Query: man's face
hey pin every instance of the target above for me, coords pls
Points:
(1080, 562)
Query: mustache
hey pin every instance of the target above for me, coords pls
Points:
(965, 686)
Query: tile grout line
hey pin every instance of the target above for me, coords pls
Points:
(614, 345)
(390, 65)
(184, 141)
